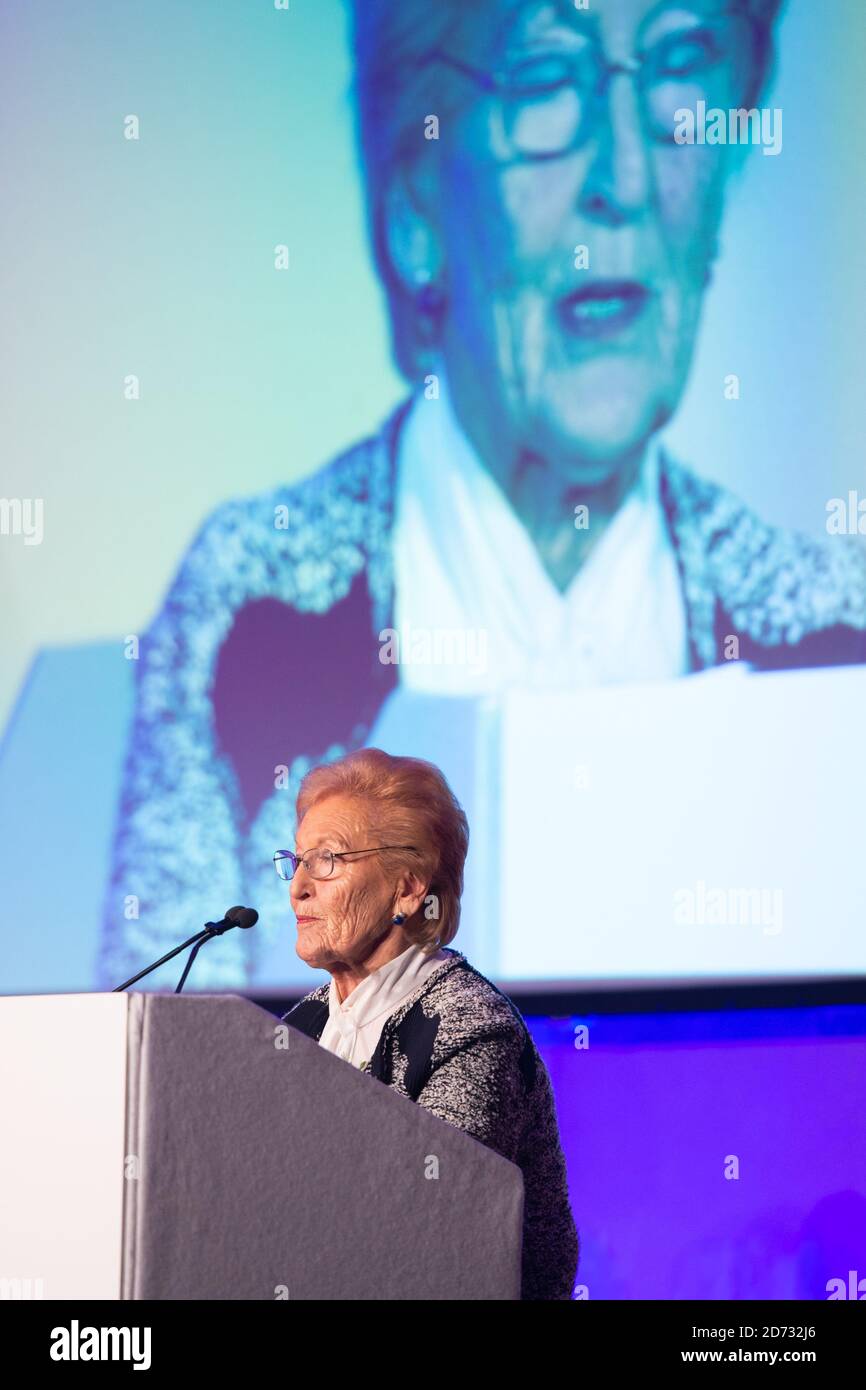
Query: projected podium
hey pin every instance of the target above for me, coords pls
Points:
(169, 1147)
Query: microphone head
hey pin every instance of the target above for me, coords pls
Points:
(242, 916)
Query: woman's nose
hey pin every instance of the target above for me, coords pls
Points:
(301, 885)
(617, 184)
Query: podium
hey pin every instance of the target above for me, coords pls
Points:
(170, 1147)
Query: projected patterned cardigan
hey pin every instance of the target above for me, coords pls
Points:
(460, 1047)
(264, 660)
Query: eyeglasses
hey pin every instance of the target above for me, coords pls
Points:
(319, 863)
(547, 104)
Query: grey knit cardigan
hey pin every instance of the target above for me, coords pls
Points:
(460, 1047)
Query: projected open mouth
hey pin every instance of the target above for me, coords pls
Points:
(603, 309)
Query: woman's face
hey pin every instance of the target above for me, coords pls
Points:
(341, 919)
(581, 381)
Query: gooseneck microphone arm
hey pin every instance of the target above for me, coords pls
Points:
(190, 961)
(235, 917)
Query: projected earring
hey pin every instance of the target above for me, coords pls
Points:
(428, 296)
(400, 917)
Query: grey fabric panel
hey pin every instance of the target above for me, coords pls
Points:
(266, 1170)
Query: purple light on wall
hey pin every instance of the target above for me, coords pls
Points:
(655, 1111)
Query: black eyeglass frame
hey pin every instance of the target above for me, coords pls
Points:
(496, 82)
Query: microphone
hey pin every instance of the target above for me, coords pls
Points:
(243, 917)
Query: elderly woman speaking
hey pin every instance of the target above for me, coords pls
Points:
(376, 879)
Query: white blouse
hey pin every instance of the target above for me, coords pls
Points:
(354, 1027)
(465, 564)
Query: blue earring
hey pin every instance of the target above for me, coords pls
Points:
(401, 917)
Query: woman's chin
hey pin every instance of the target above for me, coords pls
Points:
(590, 457)
(308, 947)
(589, 435)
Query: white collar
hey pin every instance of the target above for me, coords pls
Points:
(380, 992)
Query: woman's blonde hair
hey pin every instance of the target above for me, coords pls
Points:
(409, 803)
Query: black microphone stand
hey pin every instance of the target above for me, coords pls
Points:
(209, 930)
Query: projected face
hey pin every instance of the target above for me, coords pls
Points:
(575, 234)
(344, 917)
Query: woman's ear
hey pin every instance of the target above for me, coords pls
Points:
(413, 892)
(411, 236)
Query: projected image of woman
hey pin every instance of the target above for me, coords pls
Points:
(544, 245)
